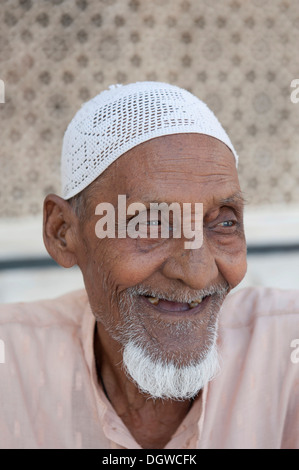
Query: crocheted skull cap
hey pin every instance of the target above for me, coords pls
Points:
(123, 117)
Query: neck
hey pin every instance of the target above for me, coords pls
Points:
(151, 422)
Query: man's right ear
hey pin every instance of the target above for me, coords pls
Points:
(60, 230)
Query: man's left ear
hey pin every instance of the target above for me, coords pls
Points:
(60, 230)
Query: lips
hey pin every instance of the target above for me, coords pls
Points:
(170, 306)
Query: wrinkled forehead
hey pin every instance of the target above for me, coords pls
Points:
(184, 166)
(178, 153)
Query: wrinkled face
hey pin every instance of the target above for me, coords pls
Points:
(144, 287)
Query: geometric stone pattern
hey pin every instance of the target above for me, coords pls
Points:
(239, 57)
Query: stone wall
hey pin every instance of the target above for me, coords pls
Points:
(238, 56)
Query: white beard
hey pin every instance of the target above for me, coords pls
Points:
(161, 379)
(177, 375)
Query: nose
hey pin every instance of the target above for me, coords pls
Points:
(197, 268)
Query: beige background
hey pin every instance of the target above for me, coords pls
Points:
(238, 56)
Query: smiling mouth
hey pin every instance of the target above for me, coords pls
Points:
(170, 306)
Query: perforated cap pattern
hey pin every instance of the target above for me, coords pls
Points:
(123, 117)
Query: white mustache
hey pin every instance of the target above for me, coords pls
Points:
(184, 297)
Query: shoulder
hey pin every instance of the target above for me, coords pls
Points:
(67, 309)
(41, 332)
(249, 305)
(259, 329)
(41, 361)
(256, 389)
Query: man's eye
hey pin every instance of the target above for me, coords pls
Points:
(167, 227)
(153, 222)
(227, 223)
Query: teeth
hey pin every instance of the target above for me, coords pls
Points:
(154, 300)
(194, 303)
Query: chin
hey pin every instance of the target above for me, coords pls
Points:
(169, 379)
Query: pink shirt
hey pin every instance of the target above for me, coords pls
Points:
(50, 396)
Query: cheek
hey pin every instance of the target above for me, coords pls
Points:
(117, 264)
(233, 267)
(131, 267)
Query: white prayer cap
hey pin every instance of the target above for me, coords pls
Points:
(123, 117)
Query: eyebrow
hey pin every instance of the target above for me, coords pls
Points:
(236, 198)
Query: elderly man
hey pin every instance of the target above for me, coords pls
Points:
(133, 360)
